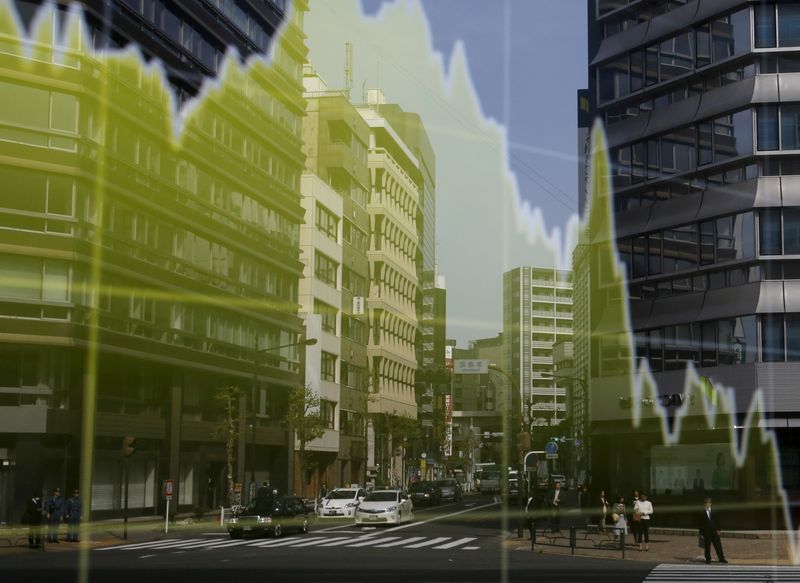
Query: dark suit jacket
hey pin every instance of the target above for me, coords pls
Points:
(709, 526)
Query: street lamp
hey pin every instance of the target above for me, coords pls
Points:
(290, 439)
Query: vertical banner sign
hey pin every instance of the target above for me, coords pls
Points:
(448, 356)
(448, 419)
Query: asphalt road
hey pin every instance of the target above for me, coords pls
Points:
(452, 542)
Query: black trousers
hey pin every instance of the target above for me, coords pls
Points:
(636, 530)
(644, 531)
(713, 538)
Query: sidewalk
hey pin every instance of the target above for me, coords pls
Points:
(14, 539)
(666, 546)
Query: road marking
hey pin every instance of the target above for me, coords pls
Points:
(271, 542)
(159, 545)
(470, 548)
(368, 543)
(315, 542)
(334, 528)
(347, 540)
(146, 556)
(410, 524)
(200, 544)
(470, 505)
(717, 572)
(456, 543)
(226, 544)
(427, 543)
(293, 540)
(401, 542)
(214, 533)
(139, 545)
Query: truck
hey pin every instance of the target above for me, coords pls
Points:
(487, 477)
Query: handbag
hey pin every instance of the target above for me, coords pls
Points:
(615, 517)
(637, 516)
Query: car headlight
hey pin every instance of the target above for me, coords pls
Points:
(350, 505)
(427, 495)
(391, 509)
(264, 519)
(233, 520)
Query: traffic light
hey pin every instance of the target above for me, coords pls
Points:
(128, 448)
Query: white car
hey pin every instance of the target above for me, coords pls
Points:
(341, 502)
(385, 507)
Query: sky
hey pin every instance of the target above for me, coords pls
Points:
(495, 84)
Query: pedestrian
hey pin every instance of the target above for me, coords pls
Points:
(323, 490)
(74, 509)
(698, 485)
(33, 518)
(603, 508)
(54, 511)
(636, 518)
(645, 510)
(709, 532)
(555, 500)
(618, 516)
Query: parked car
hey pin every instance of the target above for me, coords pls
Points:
(341, 502)
(424, 492)
(451, 489)
(269, 514)
(385, 507)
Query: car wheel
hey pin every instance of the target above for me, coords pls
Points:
(277, 531)
(304, 528)
(236, 534)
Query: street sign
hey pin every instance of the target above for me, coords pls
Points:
(469, 366)
(551, 456)
(551, 447)
(169, 489)
(358, 305)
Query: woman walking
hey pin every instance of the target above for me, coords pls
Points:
(603, 508)
(645, 508)
(636, 517)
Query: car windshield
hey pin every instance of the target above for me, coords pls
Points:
(491, 475)
(341, 495)
(444, 483)
(381, 497)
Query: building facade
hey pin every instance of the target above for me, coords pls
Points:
(138, 276)
(698, 99)
(335, 189)
(537, 313)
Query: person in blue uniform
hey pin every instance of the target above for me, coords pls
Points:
(73, 512)
(54, 512)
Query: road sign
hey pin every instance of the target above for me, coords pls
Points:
(551, 456)
(423, 455)
(470, 366)
(169, 489)
(551, 447)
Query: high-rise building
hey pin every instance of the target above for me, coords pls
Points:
(394, 200)
(138, 276)
(537, 313)
(699, 103)
(335, 284)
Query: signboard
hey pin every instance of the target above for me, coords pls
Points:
(169, 489)
(551, 456)
(448, 356)
(448, 440)
(551, 447)
(465, 366)
(448, 408)
(358, 305)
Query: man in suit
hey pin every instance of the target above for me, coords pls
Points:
(33, 518)
(698, 485)
(709, 530)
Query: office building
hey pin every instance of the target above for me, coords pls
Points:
(137, 277)
(699, 99)
(537, 313)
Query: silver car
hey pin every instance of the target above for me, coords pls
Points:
(451, 489)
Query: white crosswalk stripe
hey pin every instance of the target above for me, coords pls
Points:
(298, 542)
(722, 573)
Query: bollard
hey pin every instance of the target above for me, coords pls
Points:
(221, 516)
(533, 534)
(622, 542)
(573, 539)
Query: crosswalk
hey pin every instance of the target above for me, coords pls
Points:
(722, 574)
(368, 541)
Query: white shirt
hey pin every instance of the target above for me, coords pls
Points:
(645, 508)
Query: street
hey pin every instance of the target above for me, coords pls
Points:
(451, 542)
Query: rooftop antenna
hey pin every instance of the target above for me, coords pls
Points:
(348, 68)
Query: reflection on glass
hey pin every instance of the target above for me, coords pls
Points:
(789, 25)
(764, 25)
(790, 126)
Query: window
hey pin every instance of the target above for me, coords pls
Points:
(767, 126)
(327, 410)
(328, 367)
(328, 314)
(791, 231)
(354, 329)
(764, 25)
(325, 268)
(790, 126)
(793, 337)
(789, 25)
(326, 221)
(772, 339)
(355, 236)
(769, 223)
(354, 282)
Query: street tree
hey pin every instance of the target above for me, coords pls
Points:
(304, 422)
(228, 428)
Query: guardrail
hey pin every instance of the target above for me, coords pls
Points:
(598, 536)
